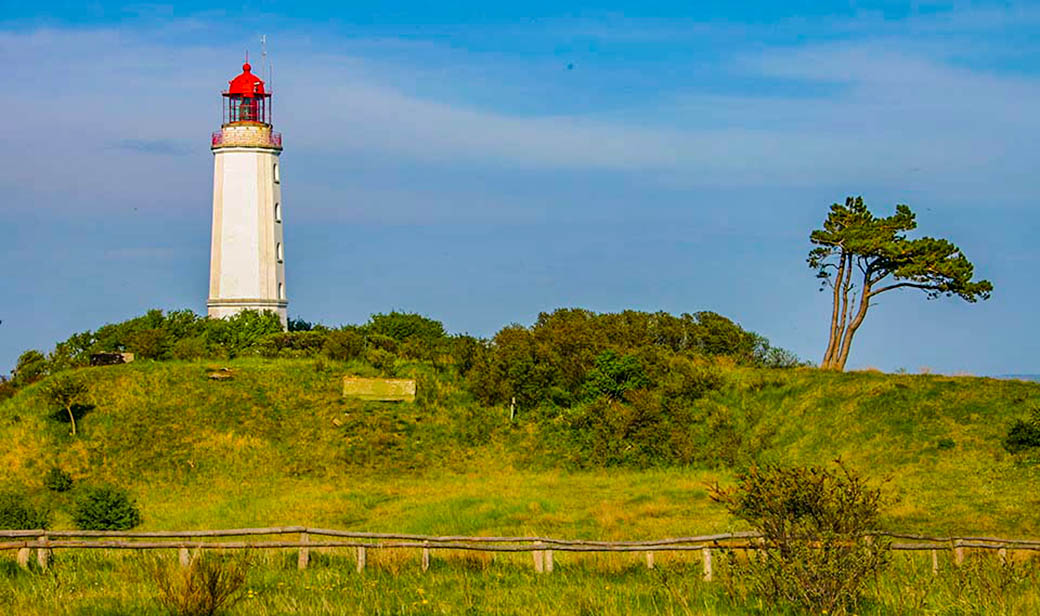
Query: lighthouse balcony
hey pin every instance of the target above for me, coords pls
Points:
(247, 135)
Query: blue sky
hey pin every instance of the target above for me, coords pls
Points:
(480, 163)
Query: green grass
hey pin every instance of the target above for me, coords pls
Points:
(393, 583)
(278, 445)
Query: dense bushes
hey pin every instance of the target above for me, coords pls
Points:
(1024, 434)
(552, 360)
(105, 508)
(816, 553)
(57, 480)
(17, 513)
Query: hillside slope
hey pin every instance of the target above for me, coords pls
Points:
(278, 444)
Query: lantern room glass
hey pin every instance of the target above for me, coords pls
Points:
(252, 109)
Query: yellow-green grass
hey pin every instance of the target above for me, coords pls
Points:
(279, 445)
(121, 583)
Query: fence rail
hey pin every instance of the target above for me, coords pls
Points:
(542, 548)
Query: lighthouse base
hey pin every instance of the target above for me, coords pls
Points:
(224, 308)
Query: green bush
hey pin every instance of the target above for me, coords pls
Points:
(815, 553)
(1024, 434)
(297, 344)
(31, 366)
(344, 344)
(105, 508)
(194, 347)
(206, 586)
(17, 513)
(57, 480)
(614, 375)
(384, 361)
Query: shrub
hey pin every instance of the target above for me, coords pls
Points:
(241, 332)
(105, 508)
(204, 587)
(1024, 434)
(31, 366)
(814, 521)
(194, 347)
(7, 388)
(945, 443)
(402, 326)
(614, 375)
(17, 513)
(67, 392)
(384, 361)
(291, 344)
(150, 343)
(57, 480)
(344, 344)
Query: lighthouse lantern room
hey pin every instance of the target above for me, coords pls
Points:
(247, 257)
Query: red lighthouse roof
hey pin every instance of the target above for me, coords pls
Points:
(247, 84)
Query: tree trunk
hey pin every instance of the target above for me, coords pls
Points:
(72, 419)
(861, 313)
(842, 301)
(832, 340)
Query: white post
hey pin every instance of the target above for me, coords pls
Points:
(649, 560)
(548, 561)
(43, 555)
(360, 559)
(304, 558)
(184, 556)
(426, 557)
(706, 552)
(23, 557)
(539, 561)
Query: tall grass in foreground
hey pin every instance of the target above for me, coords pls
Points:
(99, 583)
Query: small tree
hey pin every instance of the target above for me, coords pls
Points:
(66, 392)
(105, 508)
(855, 243)
(816, 551)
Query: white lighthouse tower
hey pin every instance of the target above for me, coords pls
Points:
(247, 258)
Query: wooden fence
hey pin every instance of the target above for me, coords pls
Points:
(541, 548)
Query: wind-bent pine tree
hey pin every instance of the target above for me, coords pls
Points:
(859, 256)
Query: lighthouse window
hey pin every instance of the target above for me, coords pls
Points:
(278, 212)
(281, 253)
(281, 291)
(277, 179)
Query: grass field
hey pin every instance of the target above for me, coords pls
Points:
(115, 583)
(278, 445)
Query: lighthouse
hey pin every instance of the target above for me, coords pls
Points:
(247, 256)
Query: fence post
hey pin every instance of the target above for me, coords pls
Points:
(539, 561)
(1002, 553)
(43, 555)
(958, 553)
(23, 558)
(935, 562)
(426, 556)
(360, 559)
(548, 559)
(184, 556)
(304, 558)
(707, 563)
(649, 560)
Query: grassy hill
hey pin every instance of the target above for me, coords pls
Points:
(278, 444)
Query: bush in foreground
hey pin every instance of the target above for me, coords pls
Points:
(105, 508)
(816, 552)
(203, 588)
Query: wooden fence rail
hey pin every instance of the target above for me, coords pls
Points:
(541, 548)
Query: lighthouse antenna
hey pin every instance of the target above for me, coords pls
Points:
(263, 54)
